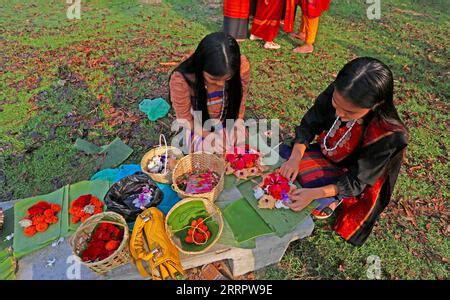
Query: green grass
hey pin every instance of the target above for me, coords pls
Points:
(60, 79)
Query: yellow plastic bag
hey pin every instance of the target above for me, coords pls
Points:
(151, 248)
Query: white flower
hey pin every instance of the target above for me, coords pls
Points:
(89, 209)
(25, 223)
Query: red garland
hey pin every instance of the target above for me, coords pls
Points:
(199, 233)
(104, 242)
(277, 185)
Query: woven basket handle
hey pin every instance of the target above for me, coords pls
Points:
(163, 138)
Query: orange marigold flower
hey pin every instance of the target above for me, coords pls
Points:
(98, 210)
(30, 231)
(51, 220)
(49, 213)
(41, 227)
(40, 219)
(75, 219)
(96, 202)
(55, 207)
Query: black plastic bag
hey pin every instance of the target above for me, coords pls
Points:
(121, 195)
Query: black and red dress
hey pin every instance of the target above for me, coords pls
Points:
(364, 166)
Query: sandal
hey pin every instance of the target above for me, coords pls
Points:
(326, 209)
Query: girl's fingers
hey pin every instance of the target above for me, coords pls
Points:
(293, 175)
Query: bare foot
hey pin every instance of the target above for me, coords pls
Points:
(304, 49)
(300, 36)
(254, 37)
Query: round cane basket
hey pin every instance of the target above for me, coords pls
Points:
(200, 161)
(80, 239)
(166, 176)
(213, 211)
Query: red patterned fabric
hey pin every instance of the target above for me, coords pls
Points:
(355, 210)
(239, 9)
(318, 169)
(314, 8)
(347, 148)
(289, 15)
(267, 19)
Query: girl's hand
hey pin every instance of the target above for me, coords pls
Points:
(301, 198)
(289, 169)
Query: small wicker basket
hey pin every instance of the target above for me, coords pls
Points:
(165, 177)
(79, 241)
(200, 161)
(212, 210)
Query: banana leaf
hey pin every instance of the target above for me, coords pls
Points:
(24, 245)
(244, 221)
(281, 221)
(8, 228)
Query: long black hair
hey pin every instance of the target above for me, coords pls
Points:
(369, 83)
(217, 54)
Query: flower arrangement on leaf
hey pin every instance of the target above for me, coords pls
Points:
(158, 164)
(273, 191)
(104, 242)
(198, 182)
(39, 217)
(244, 162)
(84, 207)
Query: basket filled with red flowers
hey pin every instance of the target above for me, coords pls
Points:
(101, 242)
(244, 162)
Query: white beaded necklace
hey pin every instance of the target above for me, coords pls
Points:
(332, 132)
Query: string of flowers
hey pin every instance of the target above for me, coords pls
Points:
(198, 226)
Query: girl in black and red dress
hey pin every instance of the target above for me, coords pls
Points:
(359, 147)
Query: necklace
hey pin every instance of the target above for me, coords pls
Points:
(332, 132)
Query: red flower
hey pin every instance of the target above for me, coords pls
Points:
(278, 185)
(238, 165)
(78, 205)
(104, 241)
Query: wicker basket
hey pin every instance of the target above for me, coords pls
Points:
(160, 150)
(212, 210)
(79, 241)
(200, 161)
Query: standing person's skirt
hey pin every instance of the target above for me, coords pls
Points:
(235, 18)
